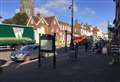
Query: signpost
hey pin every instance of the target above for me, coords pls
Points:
(47, 44)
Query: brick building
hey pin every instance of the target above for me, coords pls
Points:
(64, 27)
(48, 25)
(77, 28)
(117, 19)
(51, 25)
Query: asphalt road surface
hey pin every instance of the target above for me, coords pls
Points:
(89, 67)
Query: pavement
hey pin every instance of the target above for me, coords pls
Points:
(88, 67)
(5, 55)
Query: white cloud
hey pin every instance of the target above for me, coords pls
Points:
(87, 12)
(17, 10)
(51, 5)
(61, 4)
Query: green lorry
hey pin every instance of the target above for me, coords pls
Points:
(11, 35)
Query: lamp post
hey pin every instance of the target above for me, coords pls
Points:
(72, 25)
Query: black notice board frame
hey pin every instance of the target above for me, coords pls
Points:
(49, 38)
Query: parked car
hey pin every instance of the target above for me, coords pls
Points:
(25, 53)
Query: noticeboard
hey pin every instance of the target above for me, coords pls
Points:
(47, 43)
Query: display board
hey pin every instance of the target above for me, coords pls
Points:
(47, 43)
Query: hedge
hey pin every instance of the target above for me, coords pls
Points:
(13, 41)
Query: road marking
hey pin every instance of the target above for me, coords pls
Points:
(7, 64)
(27, 62)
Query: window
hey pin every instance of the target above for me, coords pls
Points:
(32, 21)
(54, 22)
(52, 30)
(57, 30)
(63, 27)
(41, 30)
(60, 27)
(75, 30)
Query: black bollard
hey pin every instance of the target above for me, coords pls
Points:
(39, 53)
(54, 56)
(54, 61)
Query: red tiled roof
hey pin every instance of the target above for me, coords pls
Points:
(96, 29)
(36, 19)
(49, 19)
(63, 23)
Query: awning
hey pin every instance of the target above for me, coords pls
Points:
(79, 38)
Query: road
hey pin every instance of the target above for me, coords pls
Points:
(5, 57)
(88, 67)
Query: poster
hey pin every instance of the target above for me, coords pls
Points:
(46, 44)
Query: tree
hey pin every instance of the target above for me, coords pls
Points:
(20, 19)
(7, 21)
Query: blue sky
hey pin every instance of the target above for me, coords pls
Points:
(95, 12)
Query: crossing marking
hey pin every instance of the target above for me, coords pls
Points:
(27, 62)
(7, 64)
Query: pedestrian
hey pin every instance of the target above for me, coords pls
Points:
(99, 44)
(104, 50)
(97, 47)
(94, 46)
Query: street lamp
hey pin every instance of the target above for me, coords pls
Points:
(72, 25)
